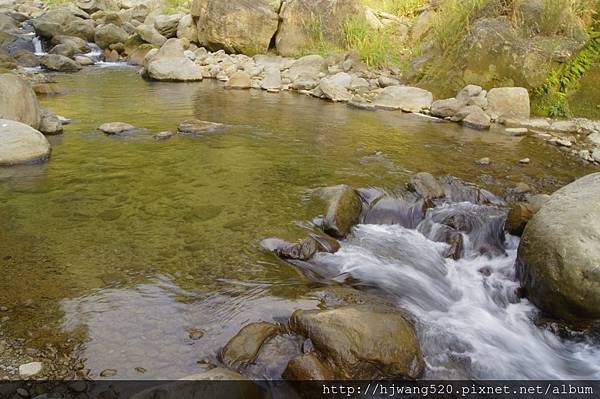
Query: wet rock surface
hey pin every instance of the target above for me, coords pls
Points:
(559, 253)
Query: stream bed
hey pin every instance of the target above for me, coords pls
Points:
(119, 248)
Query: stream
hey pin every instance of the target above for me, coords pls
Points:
(119, 247)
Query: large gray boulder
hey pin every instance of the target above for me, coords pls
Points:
(171, 64)
(237, 26)
(405, 98)
(20, 143)
(18, 101)
(508, 102)
(300, 19)
(187, 29)
(559, 256)
(166, 25)
(148, 33)
(59, 63)
(109, 34)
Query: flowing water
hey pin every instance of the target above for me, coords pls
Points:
(471, 322)
(121, 246)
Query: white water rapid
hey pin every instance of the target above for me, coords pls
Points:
(470, 321)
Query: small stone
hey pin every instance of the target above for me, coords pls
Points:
(478, 120)
(196, 127)
(163, 135)
(108, 373)
(521, 188)
(22, 393)
(3, 309)
(196, 333)
(561, 142)
(516, 131)
(116, 127)
(140, 370)
(596, 155)
(78, 386)
(30, 369)
(525, 161)
(483, 161)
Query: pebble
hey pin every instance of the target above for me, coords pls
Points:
(521, 188)
(483, 161)
(196, 333)
(140, 370)
(3, 309)
(108, 373)
(78, 386)
(30, 369)
(525, 160)
(163, 135)
(22, 393)
(516, 131)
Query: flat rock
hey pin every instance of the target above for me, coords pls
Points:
(116, 127)
(405, 98)
(30, 369)
(198, 127)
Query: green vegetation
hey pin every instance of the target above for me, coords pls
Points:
(407, 8)
(375, 46)
(453, 21)
(551, 98)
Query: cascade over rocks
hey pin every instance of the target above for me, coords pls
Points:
(559, 253)
(241, 26)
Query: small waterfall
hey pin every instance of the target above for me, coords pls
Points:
(471, 322)
(95, 53)
(37, 45)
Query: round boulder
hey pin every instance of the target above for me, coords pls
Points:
(18, 101)
(558, 262)
(20, 143)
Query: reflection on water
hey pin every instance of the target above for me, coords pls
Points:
(88, 238)
(150, 325)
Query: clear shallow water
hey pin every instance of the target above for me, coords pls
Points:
(125, 243)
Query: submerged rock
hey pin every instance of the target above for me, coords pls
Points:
(363, 341)
(20, 143)
(307, 367)
(116, 128)
(559, 253)
(243, 348)
(188, 388)
(194, 127)
(426, 186)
